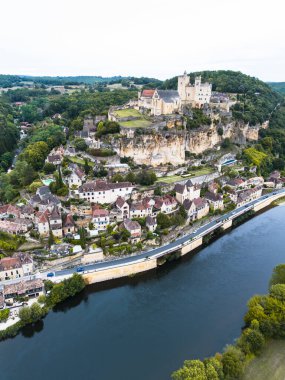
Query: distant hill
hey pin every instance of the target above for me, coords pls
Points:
(20, 80)
(278, 86)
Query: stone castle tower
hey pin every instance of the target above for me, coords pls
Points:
(183, 83)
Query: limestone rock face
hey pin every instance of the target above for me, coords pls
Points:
(160, 147)
(154, 149)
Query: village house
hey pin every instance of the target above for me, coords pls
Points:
(248, 195)
(55, 223)
(215, 200)
(187, 191)
(30, 288)
(237, 183)
(134, 229)
(213, 187)
(100, 218)
(255, 181)
(103, 192)
(9, 211)
(196, 209)
(151, 223)
(141, 209)
(15, 226)
(27, 212)
(70, 151)
(120, 211)
(68, 225)
(17, 266)
(54, 159)
(42, 223)
(76, 178)
(166, 205)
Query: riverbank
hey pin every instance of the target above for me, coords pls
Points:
(264, 324)
(190, 308)
(269, 365)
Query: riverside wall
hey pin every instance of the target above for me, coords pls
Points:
(131, 269)
(120, 271)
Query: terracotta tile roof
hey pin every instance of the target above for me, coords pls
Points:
(120, 202)
(8, 263)
(147, 93)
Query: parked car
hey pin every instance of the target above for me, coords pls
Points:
(50, 274)
(80, 269)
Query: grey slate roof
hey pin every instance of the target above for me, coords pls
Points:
(168, 96)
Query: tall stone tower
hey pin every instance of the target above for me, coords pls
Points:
(198, 81)
(183, 82)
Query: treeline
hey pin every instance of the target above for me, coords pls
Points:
(264, 320)
(31, 160)
(144, 177)
(268, 154)
(9, 135)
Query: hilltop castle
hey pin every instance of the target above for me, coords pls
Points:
(163, 102)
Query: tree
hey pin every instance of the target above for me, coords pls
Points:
(278, 291)
(35, 154)
(157, 191)
(49, 168)
(4, 315)
(191, 370)
(278, 275)
(233, 362)
(80, 144)
(25, 314)
(86, 167)
(36, 312)
(163, 221)
(130, 177)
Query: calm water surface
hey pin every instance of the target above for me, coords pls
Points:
(144, 330)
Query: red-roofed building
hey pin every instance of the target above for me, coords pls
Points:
(100, 218)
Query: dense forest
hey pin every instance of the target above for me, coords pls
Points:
(9, 135)
(278, 86)
(7, 81)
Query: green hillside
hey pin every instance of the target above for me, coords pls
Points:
(278, 86)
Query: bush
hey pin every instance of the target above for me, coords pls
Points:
(65, 289)
(4, 315)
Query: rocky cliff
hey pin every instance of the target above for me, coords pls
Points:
(153, 149)
(163, 147)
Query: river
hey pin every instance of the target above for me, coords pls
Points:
(143, 328)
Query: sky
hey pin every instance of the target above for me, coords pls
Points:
(154, 38)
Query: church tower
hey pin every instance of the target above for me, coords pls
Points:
(183, 82)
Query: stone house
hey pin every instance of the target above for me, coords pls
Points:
(17, 266)
(55, 222)
(68, 225)
(151, 223)
(120, 211)
(166, 205)
(187, 191)
(134, 229)
(196, 209)
(100, 218)
(30, 288)
(215, 200)
(103, 192)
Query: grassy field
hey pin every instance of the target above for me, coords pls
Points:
(80, 161)
(270, 365)
(128, 112)
(142, 122)
(176, 178)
